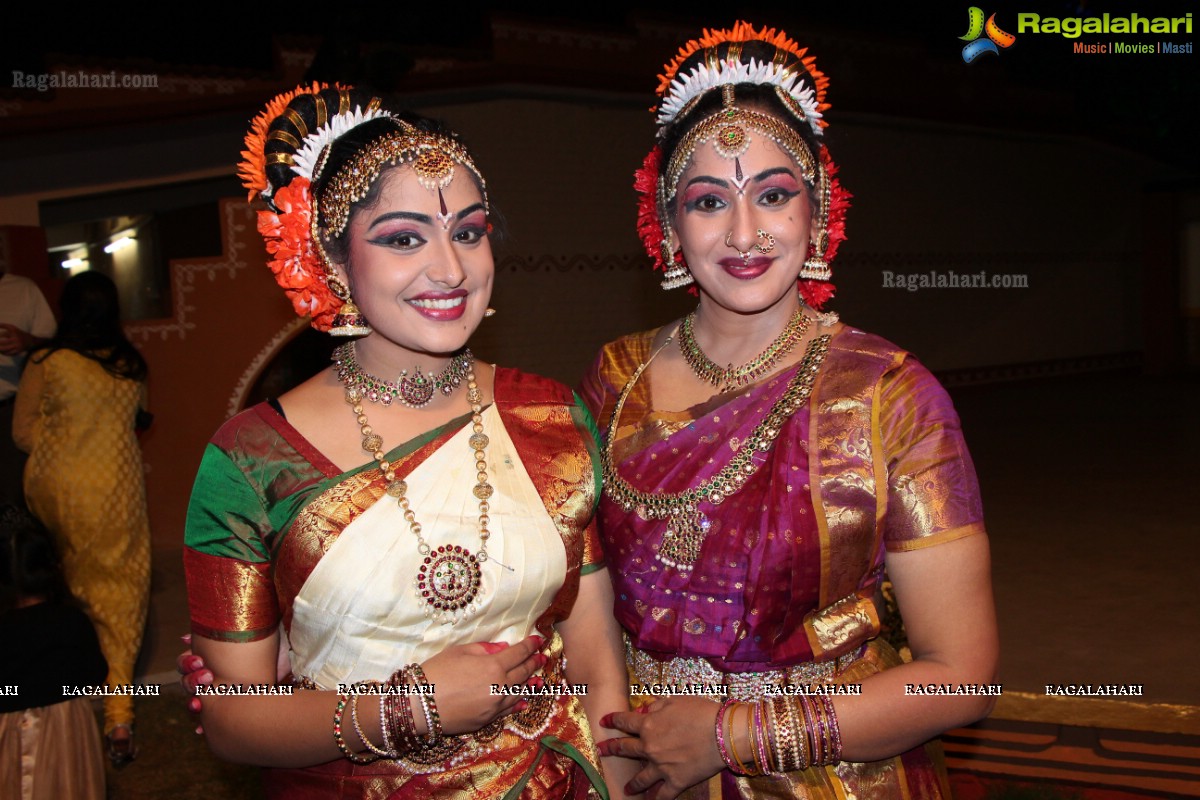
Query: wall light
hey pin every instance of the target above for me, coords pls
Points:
(119, 244)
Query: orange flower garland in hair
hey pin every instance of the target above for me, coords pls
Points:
(286, 225)
(295, 262)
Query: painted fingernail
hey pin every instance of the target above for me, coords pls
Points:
(644, 709)
(186, 638)
(543, 659)
(205, 678)
(194, 705)
(521, 706)
(606, 721)
(199, 730)
(536, 681)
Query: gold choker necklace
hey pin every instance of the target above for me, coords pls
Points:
(414, 392)
(731, 377)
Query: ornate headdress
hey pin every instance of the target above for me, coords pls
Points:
(286, 154)
(722, 64)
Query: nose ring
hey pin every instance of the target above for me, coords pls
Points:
(745, 255)
(768, 246)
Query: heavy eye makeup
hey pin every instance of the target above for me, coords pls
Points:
(703, 197)
(472, 229)
(777, 190)
(401, 239)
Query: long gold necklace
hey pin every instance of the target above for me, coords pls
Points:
(687, 524)
(732, 377)
(449, 577)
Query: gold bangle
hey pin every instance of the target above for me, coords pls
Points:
(732, 744)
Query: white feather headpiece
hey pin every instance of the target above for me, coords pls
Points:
(686, 88)
(305, 158)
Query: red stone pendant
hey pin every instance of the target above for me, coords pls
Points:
(448, 580)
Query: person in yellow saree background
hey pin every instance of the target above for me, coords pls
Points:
(77, 407)
(462, 554)
(764, 463)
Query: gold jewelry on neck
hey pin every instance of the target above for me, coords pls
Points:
(731, 377)
(449, 579)
(415, 392)
(687, 524)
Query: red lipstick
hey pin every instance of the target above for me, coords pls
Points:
(440, 306)
(746, 270)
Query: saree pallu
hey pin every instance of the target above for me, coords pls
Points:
(790, 568)
(277, 537)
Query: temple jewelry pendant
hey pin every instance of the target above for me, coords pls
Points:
(448, 581)
(685, 536)
(416, 391)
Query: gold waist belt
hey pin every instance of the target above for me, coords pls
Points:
(678, 672)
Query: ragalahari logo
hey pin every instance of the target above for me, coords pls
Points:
(976, 27)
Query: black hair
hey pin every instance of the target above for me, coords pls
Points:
(90, 324)
(29, 563)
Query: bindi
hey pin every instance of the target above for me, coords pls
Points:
(444, 215)
(739, 179)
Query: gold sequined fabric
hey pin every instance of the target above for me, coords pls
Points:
(84, 480)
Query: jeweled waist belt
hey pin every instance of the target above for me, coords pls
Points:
(652, 670)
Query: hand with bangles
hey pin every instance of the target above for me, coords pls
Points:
(463, 709)
(675, 739)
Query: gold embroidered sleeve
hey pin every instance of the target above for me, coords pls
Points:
(932, 493)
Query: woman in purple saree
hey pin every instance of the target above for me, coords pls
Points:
(750, 512)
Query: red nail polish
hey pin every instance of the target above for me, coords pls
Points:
(521, 706)
(606, 721)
